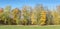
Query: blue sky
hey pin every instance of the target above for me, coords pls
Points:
(20, 3)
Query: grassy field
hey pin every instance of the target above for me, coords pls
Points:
(29, 27)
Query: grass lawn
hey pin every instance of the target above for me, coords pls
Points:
(29, 27)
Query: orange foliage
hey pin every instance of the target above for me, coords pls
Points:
(1, 10)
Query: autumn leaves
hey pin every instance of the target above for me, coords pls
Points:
(28, 16)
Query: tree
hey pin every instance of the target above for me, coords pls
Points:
(6, 14)
(58, 11)
(57, 16)
(33, 18)
(16, 15)
(40, 14)
(1, 14)
(49, 18)
(26, 14)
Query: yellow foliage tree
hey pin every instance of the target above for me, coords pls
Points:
(16, 14)
(43, 18)
(33, 18)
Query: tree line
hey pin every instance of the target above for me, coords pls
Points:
(37, 15)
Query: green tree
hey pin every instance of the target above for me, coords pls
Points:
(26, 14)
(6, 14)
(49, 18)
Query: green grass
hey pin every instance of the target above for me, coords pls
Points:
(29, 27)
